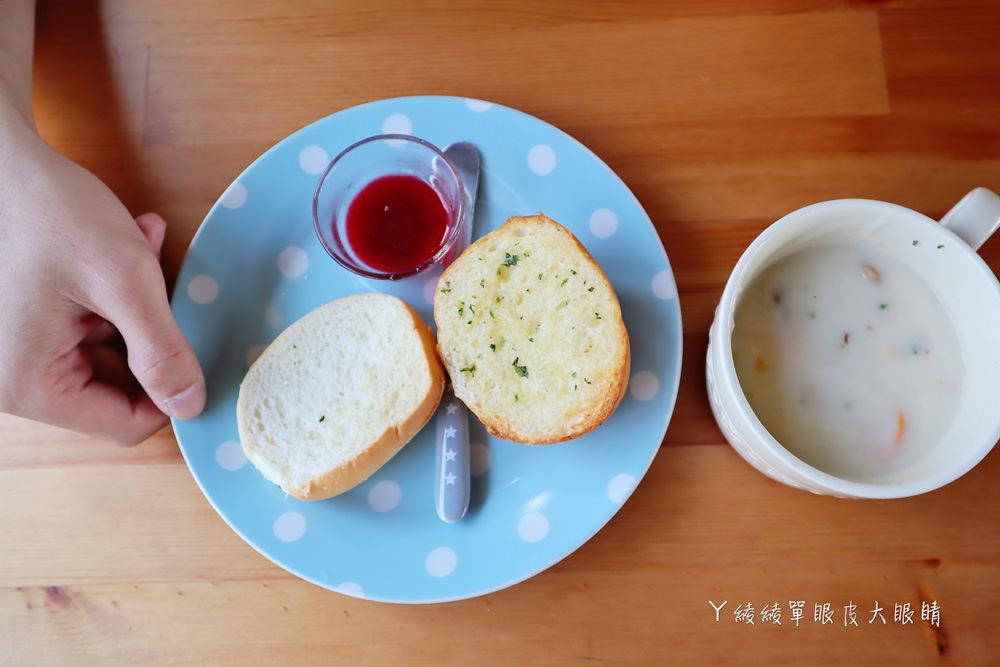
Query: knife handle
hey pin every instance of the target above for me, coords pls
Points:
(451, 474)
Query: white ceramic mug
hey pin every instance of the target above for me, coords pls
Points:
(944, 254)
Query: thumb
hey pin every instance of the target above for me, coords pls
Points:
(161, 358)
(159, 355)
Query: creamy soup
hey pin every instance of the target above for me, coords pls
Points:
(848, 359)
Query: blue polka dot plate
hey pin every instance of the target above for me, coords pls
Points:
(255, 266)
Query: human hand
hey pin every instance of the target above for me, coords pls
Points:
(87, 339)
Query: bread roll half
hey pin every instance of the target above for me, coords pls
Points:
(530, 330)
(338, 394)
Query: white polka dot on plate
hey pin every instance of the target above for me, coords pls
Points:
(273, 314)
(290, 527)
(397, 123)
(441, 562)
(644, 386)
(234, 197)
(603, 223)
(664, 286)
(254, 352)
(203, 289)
(229, 455)
(479, 458)
(351, 588)
(478, 105)
(313, 159)
(542, 159)
(293, 262)
(384, 496)
(620, 487)
(533, 527)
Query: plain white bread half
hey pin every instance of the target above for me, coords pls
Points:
(531, 333)
(338, 393)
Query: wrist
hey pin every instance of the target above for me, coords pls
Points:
(16, 129)
(17, 28)
(15, 115)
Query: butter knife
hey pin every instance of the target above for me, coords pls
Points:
(452, 476)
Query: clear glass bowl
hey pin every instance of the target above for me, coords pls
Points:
(366, 161)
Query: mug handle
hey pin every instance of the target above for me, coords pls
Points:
(975, 217)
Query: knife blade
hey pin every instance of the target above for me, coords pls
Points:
(465, 158)
(452, 473)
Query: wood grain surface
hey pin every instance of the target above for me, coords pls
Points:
(721, 117)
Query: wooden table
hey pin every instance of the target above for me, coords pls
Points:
(721, 117)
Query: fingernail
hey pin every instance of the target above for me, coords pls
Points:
(188, 403)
